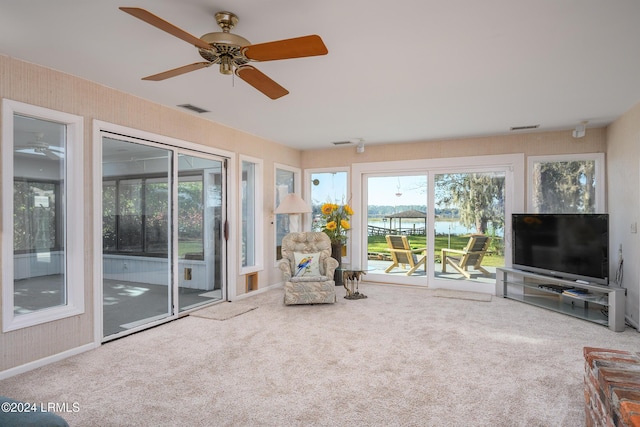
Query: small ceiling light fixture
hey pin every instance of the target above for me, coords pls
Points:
(359, 146)
(580, 130)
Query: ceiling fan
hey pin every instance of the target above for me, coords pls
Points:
(233, 52)
(40, 147)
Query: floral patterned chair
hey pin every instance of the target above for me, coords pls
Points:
(308, 268)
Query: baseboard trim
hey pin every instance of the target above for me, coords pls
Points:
(46, 360)
(258, 291)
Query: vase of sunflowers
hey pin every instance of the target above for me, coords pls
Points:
(335, 220)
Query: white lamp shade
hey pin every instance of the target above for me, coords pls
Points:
(292, 204)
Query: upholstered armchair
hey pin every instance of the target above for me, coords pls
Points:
(308, 268)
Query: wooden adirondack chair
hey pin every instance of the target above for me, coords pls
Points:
(470, 256)
(402, 254)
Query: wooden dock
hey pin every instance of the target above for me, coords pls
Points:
(372, 230)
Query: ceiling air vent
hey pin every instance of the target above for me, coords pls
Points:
(529, 127)
(341, 143)
(194, 108)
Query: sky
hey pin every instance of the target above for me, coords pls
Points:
(383, 190)
(397, 190)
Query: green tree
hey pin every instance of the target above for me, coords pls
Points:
(190, 208)
(564, 187)
(479, 198)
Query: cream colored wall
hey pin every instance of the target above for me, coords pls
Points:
(531, 144)
(623, 154)
(32, 84)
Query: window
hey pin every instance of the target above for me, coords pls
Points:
(251, 212)
(134, 212)
(135, 215)
(191, 205)
(327, 187)
(566, 184)
(287, 181)
(43, 255)
(35, 218)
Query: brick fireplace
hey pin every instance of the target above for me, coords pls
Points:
(611, 388)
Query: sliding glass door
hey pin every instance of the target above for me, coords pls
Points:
(163, 213)
(200, 221)
(137, 182)
(442, 227)
(397, 227)
(470, 223)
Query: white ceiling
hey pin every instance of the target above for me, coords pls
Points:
(411, 70)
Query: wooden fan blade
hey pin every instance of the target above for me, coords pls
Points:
(298, 47)
(177, 71)
(160, 23)
(260, 81)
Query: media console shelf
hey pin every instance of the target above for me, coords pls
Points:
(596, 303)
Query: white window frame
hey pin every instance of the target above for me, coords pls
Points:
(74, 217)
(258, 215)
(598, 158)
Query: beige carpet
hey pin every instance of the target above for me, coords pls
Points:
(224, 310)
(401, 357)
(471, 296)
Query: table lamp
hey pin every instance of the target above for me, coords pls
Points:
(293, 205)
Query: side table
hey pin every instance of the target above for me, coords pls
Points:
(351, 278)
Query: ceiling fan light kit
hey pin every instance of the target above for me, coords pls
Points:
(233, 52)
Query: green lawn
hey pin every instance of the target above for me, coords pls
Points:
(378, 244)
(186, 246)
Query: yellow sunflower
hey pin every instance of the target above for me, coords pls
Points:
(327, 208)
(331, 225)
(345, 224)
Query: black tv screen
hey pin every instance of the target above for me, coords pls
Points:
(569, 246)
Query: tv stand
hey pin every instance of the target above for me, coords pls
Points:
(600, 304)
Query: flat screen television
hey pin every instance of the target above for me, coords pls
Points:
(568, 246)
